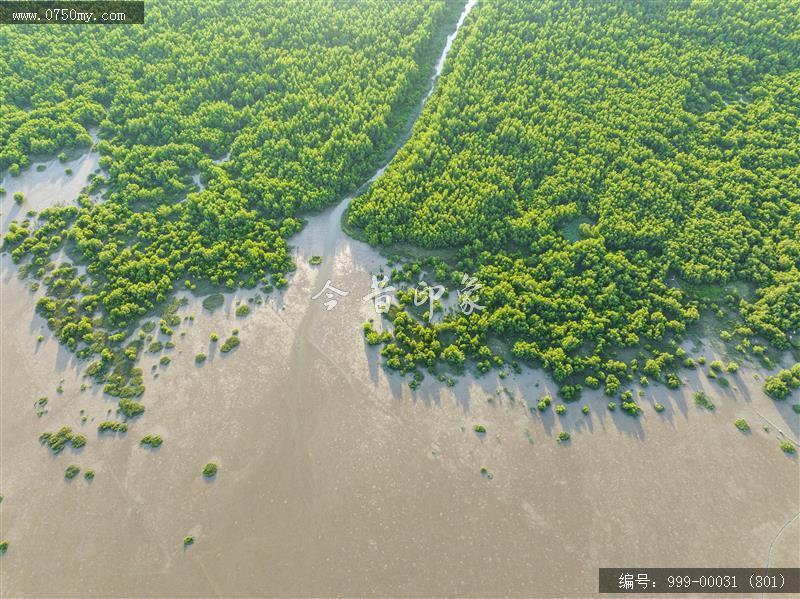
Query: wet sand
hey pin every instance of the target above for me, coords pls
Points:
(46, 188)
(336, 479)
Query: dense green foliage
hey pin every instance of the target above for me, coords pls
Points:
(278, 112)
(112, 426)
(130, 408)
(61, 438)
(780, 385)
(606, 170)
(71, 471)
(702, 400)
(229, 344)
(210, 470)
(152, 441)
(213, 301)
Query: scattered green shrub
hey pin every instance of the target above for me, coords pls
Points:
(673, 381)
(229, 344)
(130, 408)
(213, 302)
(780, 385)
(60, 439)
(112, 426)
(152, 441)
(702, 400)
(631, 408)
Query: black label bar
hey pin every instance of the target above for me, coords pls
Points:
(699, 580)
(72, 12)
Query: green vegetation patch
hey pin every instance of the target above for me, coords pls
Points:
(631, 408)
(663, 170)
(130, 408)
(300, 121)
(702, 400)
(210, 470)
(152, 441)
(112, 426)
(213, 302)
(788, 447)
(71, 471)
(61, 438)
(544, 403)
(780, 386)
(229, 344)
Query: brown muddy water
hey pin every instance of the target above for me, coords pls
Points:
(336, 479)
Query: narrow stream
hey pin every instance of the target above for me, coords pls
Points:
(336, 214)
(317, 377)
